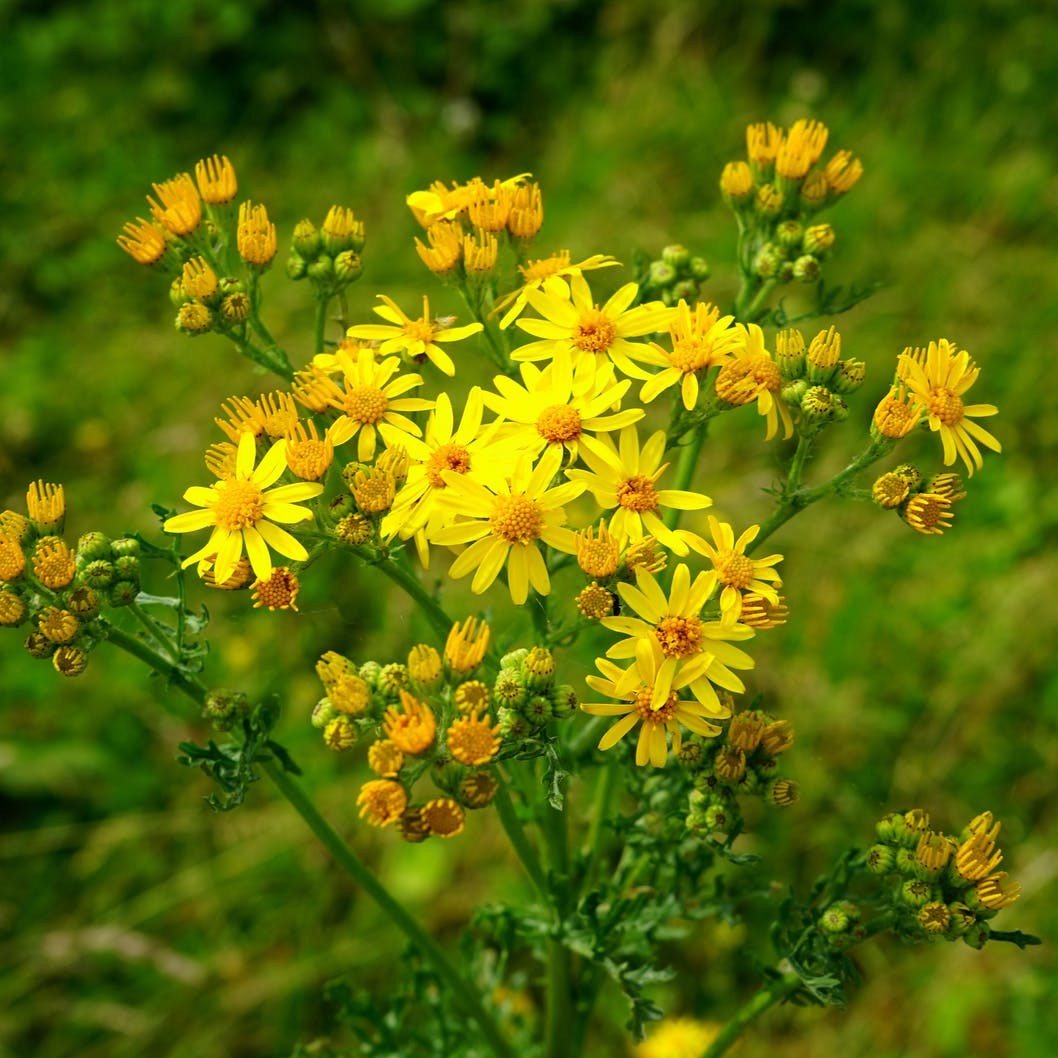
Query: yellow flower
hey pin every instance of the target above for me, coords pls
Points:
(255, 235)
(700, 652)
(372, 404)
(178, 208)
(678, 1038)
(503, 521)
(639, 703)
(763, 141)
(559, 407)
(699, 342)
(574, 322)
(473, 740)
(382, 802)
(801, 148)
(624, 479)
(733, 569)
(413, 729)
(445, 250)
(443, 203)
(415, 338)
(751, 375)
(937, 379)
(445, 447)
(216, 180)
(443, 817)
(46, 505)
(243, 514)
(142, 241)
(895, 416)
(279, 592)
(465, 648)
(536, 272)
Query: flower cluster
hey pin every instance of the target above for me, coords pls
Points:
(816, 380)
(778, 192)
(435, 716)
(925, 504)
(941, 886)
(328, 256)
(61, 591)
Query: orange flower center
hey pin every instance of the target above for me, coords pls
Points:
(945, 405)
(595, 332)
(734, 569)
(691, 354)
(446, 457)
(744, 380)
(516, 519)
(679, 637)
(666, 711)
(638, 494)
(473, 741)
(559, 423)
(419, 330)
(309, 459)
(239, 504)
(365, 403)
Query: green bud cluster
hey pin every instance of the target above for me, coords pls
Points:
(939, 886)
(744, 761)
(328, 256)
(526, 694)
(674, 275)
(816, 379)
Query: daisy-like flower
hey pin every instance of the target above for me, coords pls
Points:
(937, 379)
(416, 339)
(371, 403)
(751, 375)
(699, 342)
(639, 703)
(624, 479)
(503, 522)
(573, 321)
(560, 407)
(733, 570)
(439, 202)
(463, 449)
(700, 651)
(243, 512)
(536, 272)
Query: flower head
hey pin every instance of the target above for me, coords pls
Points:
(255, 235)
(937, 378)
(473, 740)
(503, 520)
(216, 181)
(143, 242)
(243, 511)
(535, 273)
(638, 702)
(413, 728)
(279, 592)
(573, 321)
(178, 207)
(466, 645)
(417, 339)
(700, 341)
(382, 802)
(623, 478)
(751, 375)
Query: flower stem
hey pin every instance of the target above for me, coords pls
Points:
(434, 613)
(685, 468)
(323, 302)
(520, 841)
(462, 989)
(558, 1032)
(776, 991)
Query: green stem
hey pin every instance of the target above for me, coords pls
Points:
(600, 810)
(776, 991)
(152, 628)
(520, 841)
(323, 302)
(797, 466)
(558, 1038)
(749, 314)
(685, 468)
(441, 622)
(796, 501)
(463, 990)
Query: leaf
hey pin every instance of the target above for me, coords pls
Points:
(1015, 936)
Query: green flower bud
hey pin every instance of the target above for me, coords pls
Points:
(306, 239)
(177, 293)
(904, 860)
(768, 261)
(789, 234)
(880, 859)
(691, 756)
(122, 593)
(818, 239)
(370, 672)
(806, 269)
(297, 267)
(699, 269)
(509, 690)
(70, 660)
(323, 713)
(833, 920)
(538, 710)
(962, 919)
(660, 275)
(194, 319)
(514, 659)
(676, 255)
(127, 567)
(686, 289)
(793, 392)
(392, 680)
(513, 726)
(39, 645)
(717, 817)
(321, 270)
(126, 545)
(92, 546)
(98, 574)
(348, 267)
(224, 707)
(849, 376)
(564, 701)
(889, 826)
(977, 935)
(916, 893)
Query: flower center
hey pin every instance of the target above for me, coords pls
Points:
(559, 423)
(595, 332)
(691, 354)
(947, 406)
(638, 494)
(665, 711)
(679, 637)
(239, 504)
(419, 330)
(309, 459)
(516, 518)
(734, 569)
(365, 403)
(744, 380)
(446, 457)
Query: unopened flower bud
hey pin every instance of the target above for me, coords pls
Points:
(789, 234)
(70, 660)
(235, 308)
(194, 319)
(306, 240)
(225, 708)
(849, 376)
(348, 267)
(806, 268)
(818, 239)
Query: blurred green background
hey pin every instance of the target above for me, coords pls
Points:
(917, 671)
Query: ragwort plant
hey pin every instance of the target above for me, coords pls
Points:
(571, 484)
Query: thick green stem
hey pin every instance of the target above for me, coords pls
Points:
(559, 1028)
(777, 990)
(685, 468)
(520, 842)
(323, 302)
(463, 991)
(441, 622)
(600, 810)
